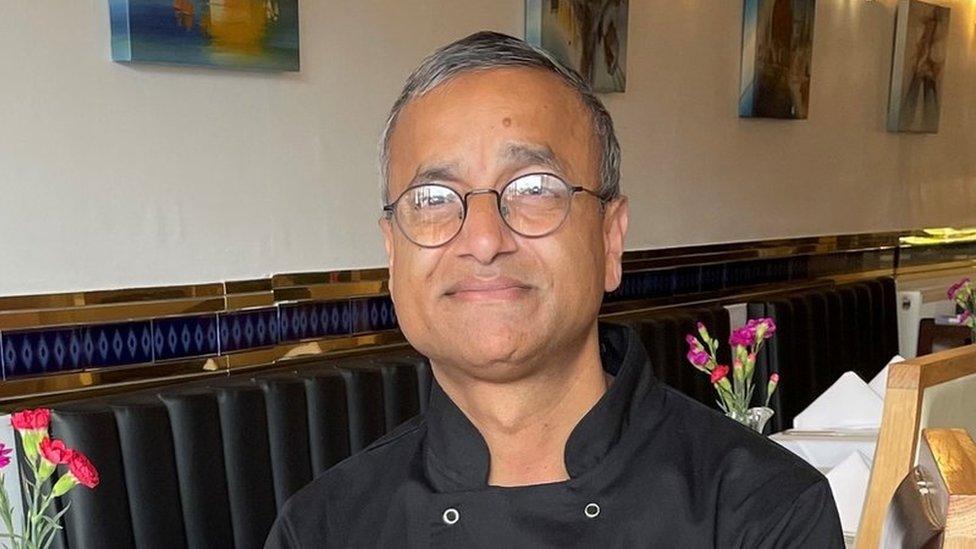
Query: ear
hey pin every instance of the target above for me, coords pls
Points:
(615, 220)
(386, 227)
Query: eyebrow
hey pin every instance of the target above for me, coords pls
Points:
(519, 155)
(516, 156)
(435, 173)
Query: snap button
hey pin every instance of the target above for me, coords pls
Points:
(451, 516)
(592, 510)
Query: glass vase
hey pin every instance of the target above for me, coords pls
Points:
(753, 418)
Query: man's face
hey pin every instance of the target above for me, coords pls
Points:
(491, 302)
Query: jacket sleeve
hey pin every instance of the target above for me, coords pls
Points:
(811, 520)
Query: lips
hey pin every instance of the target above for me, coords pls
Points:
(497, 288)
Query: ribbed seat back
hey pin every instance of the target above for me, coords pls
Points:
(663, 335)
(821, 334)
(209, 464)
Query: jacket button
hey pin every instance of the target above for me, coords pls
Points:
(592, 510)
(451, 516)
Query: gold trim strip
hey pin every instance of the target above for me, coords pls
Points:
(287, 280)
(111, 313)
(339, 290)
(234, 303)
(621, 309)
(935, 269)
(248, 286)
(329, 345)
(108, 297)
(117, 377)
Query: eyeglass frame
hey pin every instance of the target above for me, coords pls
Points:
(389, 210)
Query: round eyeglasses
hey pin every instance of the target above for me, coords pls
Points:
(532, 205)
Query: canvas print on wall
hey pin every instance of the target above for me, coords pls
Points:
(915, 99)
(777, 53)
(238, 34)
(588, 35)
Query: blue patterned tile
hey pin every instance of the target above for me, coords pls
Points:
(314, 319)
(799, 267)
(372, 314)
(744, 273)
(687, 280)
(334, 318)
(118, 344)
(248, 329)
(35, 352)
(658, 283)
(184, 336)
(293, 320)
(713, 277)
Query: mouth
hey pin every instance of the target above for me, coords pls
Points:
(497, 289)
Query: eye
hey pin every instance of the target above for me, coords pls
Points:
(431, 198)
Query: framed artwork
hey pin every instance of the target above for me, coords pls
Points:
(236, 34)
(917, 66)
(589, 36)
(777, 54)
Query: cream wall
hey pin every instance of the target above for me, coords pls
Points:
(118, 176)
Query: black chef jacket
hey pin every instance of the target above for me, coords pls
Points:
(648, 467)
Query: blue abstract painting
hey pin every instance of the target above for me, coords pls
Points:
(237, 34)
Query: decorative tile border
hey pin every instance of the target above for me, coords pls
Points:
(184, 337)
(28, 353)
(252, 329)
(685, 281)
(245, 322)
(119, 344)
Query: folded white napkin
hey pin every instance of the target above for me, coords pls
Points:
(848, 404)
(880, 381)
(849, 483)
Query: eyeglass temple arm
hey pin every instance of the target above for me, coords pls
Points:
(603, 199)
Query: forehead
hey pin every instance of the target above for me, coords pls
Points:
(472, 122)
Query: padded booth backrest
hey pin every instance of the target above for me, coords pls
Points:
(663, 335)
(822, 333)
(208, 465)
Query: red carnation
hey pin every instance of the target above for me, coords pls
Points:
(55, 451)
(719, 373)
(27, 420)
(83, 470)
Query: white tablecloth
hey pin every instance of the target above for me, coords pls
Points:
(845, 457)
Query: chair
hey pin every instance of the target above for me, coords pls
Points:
(926, 392)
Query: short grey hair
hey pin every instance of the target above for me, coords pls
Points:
(492, 50)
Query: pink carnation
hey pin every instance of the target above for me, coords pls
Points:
(954, 289)
(698, 358)
(743, 336)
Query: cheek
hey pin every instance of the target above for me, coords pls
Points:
(573, 263)
(413, 269)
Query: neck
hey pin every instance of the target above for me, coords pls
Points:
(526, 422)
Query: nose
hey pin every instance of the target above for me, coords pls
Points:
(484, 235)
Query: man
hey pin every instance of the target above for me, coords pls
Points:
(504, 226)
